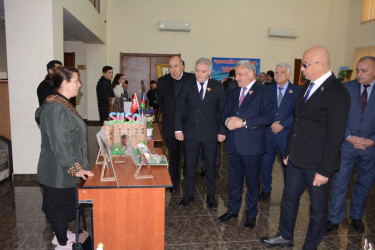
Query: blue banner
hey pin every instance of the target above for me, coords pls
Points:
(222, 65)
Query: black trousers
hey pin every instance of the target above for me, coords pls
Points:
(174, 148)
(297, 179)
(60, 229)
(192, 151)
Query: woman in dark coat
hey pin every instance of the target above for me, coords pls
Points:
(63, 158)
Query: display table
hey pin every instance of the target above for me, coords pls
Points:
(131, 216)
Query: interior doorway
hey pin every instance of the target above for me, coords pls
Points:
(139, 67)
(70, 61)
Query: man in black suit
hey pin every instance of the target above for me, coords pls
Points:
(230, 83)
(197, 124)
(313, 149)
(44, 88)
(170, 90)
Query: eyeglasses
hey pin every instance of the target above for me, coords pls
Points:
(305, 65)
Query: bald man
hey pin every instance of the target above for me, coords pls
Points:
(169, 91)
(313, 149)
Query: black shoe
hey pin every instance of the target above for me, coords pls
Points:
(263, 196)
(203, 173)
(211, 202)
(330, 226)
(173, 190)
(250, 222)
(186, 201)
(227, 216)
(276, 240)
(358, 225)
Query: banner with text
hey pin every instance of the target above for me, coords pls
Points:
(222, 65)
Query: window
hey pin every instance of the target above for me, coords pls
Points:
(368, 11)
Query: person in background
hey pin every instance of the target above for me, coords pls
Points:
(152, 96)
(262, 78)
(246, 113)
(169, 91)
(313, 149)
(284, 95)
(270, 78)
(103, 92)
(117, 85)
(63, 158)
(230, 83)
(358, 149)
(125, 87)
(45, 87)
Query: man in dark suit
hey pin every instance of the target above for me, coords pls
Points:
(201, 101)
(270, 76)
(313, 149)
(230, 83)
(262, 78)
(284, 94)
(104, 91)
(358, 149)
(45, 87)
(246, 113)
(170, 90)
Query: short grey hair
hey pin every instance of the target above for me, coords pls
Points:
(262, 73)
(248, 65)
(206, 61)
(284, 65)
(371, 58)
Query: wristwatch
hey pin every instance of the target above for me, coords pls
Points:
(244, 124)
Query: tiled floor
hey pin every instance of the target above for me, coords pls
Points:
(23, 225)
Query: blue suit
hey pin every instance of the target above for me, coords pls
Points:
(361, 125)
(277, 142)
(246, 145)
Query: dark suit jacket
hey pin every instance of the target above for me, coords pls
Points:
(258, 109)
(201, 121)
(284, 113)
(359, 124)
(230, 84)
(167, 102)
(318, 129)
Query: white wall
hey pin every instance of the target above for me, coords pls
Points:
(79, 48)
(34, 36)
(359, 35)
(222, 28)
(3, 52)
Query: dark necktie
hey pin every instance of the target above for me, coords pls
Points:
(242, 96)
(307, 94)
(201, 91)
(280, 96)
(364, 97)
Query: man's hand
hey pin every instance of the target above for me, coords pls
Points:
(234, 123)
(221, 138)
(179, 136)
(276, 127)
(84, 173)
(285, 160)
(360, 142)
(320, 180)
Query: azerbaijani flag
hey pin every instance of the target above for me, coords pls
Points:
(143, 102)
(134, 106)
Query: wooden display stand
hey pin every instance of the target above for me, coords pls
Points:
(132, 215)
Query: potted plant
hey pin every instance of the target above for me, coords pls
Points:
(149, 120)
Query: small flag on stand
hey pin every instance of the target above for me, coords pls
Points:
(134, 106)
(143, 102)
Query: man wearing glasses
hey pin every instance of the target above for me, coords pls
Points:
(313, 149)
